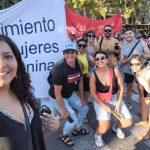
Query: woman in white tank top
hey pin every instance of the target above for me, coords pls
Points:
(143, 78)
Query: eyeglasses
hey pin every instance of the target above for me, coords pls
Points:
(100, 58)
(91, 35)
(134, 64)
(107, 30)
(82, 45)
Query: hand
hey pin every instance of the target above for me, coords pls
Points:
(50, 122)
(108, 50)
(65, 114)
(108, 109)
(117, 109)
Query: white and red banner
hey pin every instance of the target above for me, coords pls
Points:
(81, 24)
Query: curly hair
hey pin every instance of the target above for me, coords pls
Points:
(20, 85)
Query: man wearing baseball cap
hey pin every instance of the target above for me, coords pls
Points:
(72, 37)
(65, 78)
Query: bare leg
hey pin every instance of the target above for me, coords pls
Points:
(129, 92)
(147, 133)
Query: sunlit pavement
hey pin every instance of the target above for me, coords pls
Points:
(131, 141)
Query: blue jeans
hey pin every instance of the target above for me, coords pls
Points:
(71, 103)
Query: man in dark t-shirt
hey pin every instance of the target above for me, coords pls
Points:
(66, 76)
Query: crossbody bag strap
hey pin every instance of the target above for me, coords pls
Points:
(111, 79)
(28, 127)
(100, 44)
(133, 48)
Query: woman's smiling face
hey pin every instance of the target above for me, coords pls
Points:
(135, 65)
(8, 65)
(101, 60)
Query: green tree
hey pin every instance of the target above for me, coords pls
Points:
(7, 3)
(98, 9)
(133, 11)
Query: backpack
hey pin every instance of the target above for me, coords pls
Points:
(49, 79)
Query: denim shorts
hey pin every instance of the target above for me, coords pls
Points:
(102, 114)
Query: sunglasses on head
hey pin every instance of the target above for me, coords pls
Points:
(100, 58)
(82, 45)
(107, 30)
(134, 64)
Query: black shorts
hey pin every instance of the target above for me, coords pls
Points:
(128, 78)
(85, 84)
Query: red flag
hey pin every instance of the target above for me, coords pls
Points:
(80, 24)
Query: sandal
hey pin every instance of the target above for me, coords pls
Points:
(66, 140)
(86, 120)
(82, 131)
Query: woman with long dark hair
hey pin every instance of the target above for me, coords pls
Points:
(20, 122)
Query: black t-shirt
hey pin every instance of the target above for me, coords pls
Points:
(66, 76)
(14, 133)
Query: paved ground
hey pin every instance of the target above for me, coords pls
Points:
(131, 141)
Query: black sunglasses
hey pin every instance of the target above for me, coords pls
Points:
(134, 64)
(82, 45)
(100, 58)
(107, 30)
(91, 35)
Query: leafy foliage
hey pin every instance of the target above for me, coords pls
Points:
(132, 10)
(7, 3)
(99, 9)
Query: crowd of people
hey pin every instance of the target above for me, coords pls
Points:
(99, 67)
(105, 70)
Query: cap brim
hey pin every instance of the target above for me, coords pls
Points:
(70, 50)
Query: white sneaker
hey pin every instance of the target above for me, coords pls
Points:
(119, 132)
(98, 140)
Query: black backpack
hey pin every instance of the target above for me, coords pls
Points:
(49, 79)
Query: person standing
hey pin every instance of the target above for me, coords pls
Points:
(20, 122)
(72, 37)
(109, 45)
(91, 49)
(66, 76)
(132, 46)
(106, 87)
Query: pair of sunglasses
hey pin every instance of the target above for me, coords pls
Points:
(134, 64)
(107, 30)
(81, 45)
(100, 58)
(91, 35)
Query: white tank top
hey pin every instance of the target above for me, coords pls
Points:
(143, 79)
